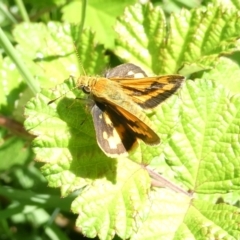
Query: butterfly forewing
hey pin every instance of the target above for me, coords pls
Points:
(149, 92)
(139, 127)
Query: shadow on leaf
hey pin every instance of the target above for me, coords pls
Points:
(88, 161)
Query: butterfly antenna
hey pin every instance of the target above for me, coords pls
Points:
(81, 68)
(50, 102)
(79, 60)
(55, 99)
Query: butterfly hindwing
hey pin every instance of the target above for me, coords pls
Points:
(126, 70)
(112, 136)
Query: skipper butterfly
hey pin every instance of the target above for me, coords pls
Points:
(119, 99)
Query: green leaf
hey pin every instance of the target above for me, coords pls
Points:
(198, 36)
(8, 150)
(100, 17)
(11, 86)
(64, 131)
(221, 221)
(45, 3)
(204, 155)
(67, 144)
(162, 216)
(225, 72)
(199, 151)
(108, 207)
(227, 3)
(54, 51)
(176, 5)
(204, 151)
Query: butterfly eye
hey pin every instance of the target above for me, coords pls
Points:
(86, 89)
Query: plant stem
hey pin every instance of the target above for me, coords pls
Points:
(22, 68)
(22, 10)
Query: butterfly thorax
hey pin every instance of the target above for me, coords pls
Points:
(104, 90)
(97, 86)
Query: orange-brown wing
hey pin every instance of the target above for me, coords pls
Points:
(148, 92)
(140, 129)
(128, 126)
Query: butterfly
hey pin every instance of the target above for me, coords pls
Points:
(119, 99)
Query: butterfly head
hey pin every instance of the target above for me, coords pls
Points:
(86, 83)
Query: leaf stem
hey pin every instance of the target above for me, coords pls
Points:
(12, 53)
(7, 13)
(84, 7)
(160, 181)
(15, 127)
(22, 10)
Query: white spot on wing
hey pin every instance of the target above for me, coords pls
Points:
(138, 75)
(113, 141)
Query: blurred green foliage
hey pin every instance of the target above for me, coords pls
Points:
(37, 44)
